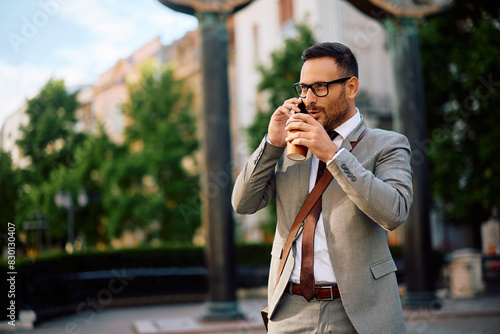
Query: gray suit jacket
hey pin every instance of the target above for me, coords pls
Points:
(371, 193)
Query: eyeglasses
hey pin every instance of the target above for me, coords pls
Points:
(319, 89)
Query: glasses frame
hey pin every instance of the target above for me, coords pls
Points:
(298, 86)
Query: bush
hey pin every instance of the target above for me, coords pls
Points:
(57, 284)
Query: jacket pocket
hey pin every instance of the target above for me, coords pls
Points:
(383, 268)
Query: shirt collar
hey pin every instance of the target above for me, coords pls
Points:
(348, 126)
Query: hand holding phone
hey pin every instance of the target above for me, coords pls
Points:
(302, 107)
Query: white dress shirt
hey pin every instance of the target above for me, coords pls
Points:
(323, 271)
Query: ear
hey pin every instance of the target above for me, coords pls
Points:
(352, 88)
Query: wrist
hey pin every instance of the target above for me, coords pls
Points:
(274, 143)
(329, 161)
(335, 155)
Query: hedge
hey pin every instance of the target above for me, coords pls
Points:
(57, 284)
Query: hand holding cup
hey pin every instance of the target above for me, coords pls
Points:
(296, 152)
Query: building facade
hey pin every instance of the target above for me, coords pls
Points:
(10, 133)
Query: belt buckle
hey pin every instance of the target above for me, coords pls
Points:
(330, 287)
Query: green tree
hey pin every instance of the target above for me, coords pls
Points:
(149, 181)
(9, 189)
(48, 141)
(462, 78)
(82, 177)
(49, 135)
(277, 81)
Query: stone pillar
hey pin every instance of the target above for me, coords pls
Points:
(405, 52)
(216, 178)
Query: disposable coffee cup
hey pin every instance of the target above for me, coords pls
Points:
(295, 152)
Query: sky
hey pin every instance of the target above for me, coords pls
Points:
(74, 40)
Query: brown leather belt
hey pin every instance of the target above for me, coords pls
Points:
(323, 292)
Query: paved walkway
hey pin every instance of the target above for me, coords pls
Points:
(480, 315)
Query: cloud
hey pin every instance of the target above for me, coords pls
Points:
(119, 28)
(18, 83)
(99, 19)
(24, 81)
(126, 19)
(103, 56)
(82, 40)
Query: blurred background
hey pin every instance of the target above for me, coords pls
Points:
(100, 138)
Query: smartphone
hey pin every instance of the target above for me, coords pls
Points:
(302, 107)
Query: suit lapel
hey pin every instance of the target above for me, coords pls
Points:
(354, 135)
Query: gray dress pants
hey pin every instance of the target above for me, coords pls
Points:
(295, 315)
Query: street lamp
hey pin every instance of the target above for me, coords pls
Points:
(64, 199)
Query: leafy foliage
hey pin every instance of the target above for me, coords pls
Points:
(83, 176)
(48, 136)
(48, 141)
(9, 186)
(147, 180)
(139, 184)
(462, 76)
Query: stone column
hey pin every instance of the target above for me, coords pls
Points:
(405, 52)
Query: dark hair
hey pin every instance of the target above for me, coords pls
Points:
(342, 55)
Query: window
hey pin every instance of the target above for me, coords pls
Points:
(286, 10)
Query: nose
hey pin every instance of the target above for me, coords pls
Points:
(310, 97)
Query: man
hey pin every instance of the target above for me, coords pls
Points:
(371, 193)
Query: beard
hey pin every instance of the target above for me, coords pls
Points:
(335, 114)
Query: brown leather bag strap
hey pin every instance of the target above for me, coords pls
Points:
(306, 208)
(354, 143)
